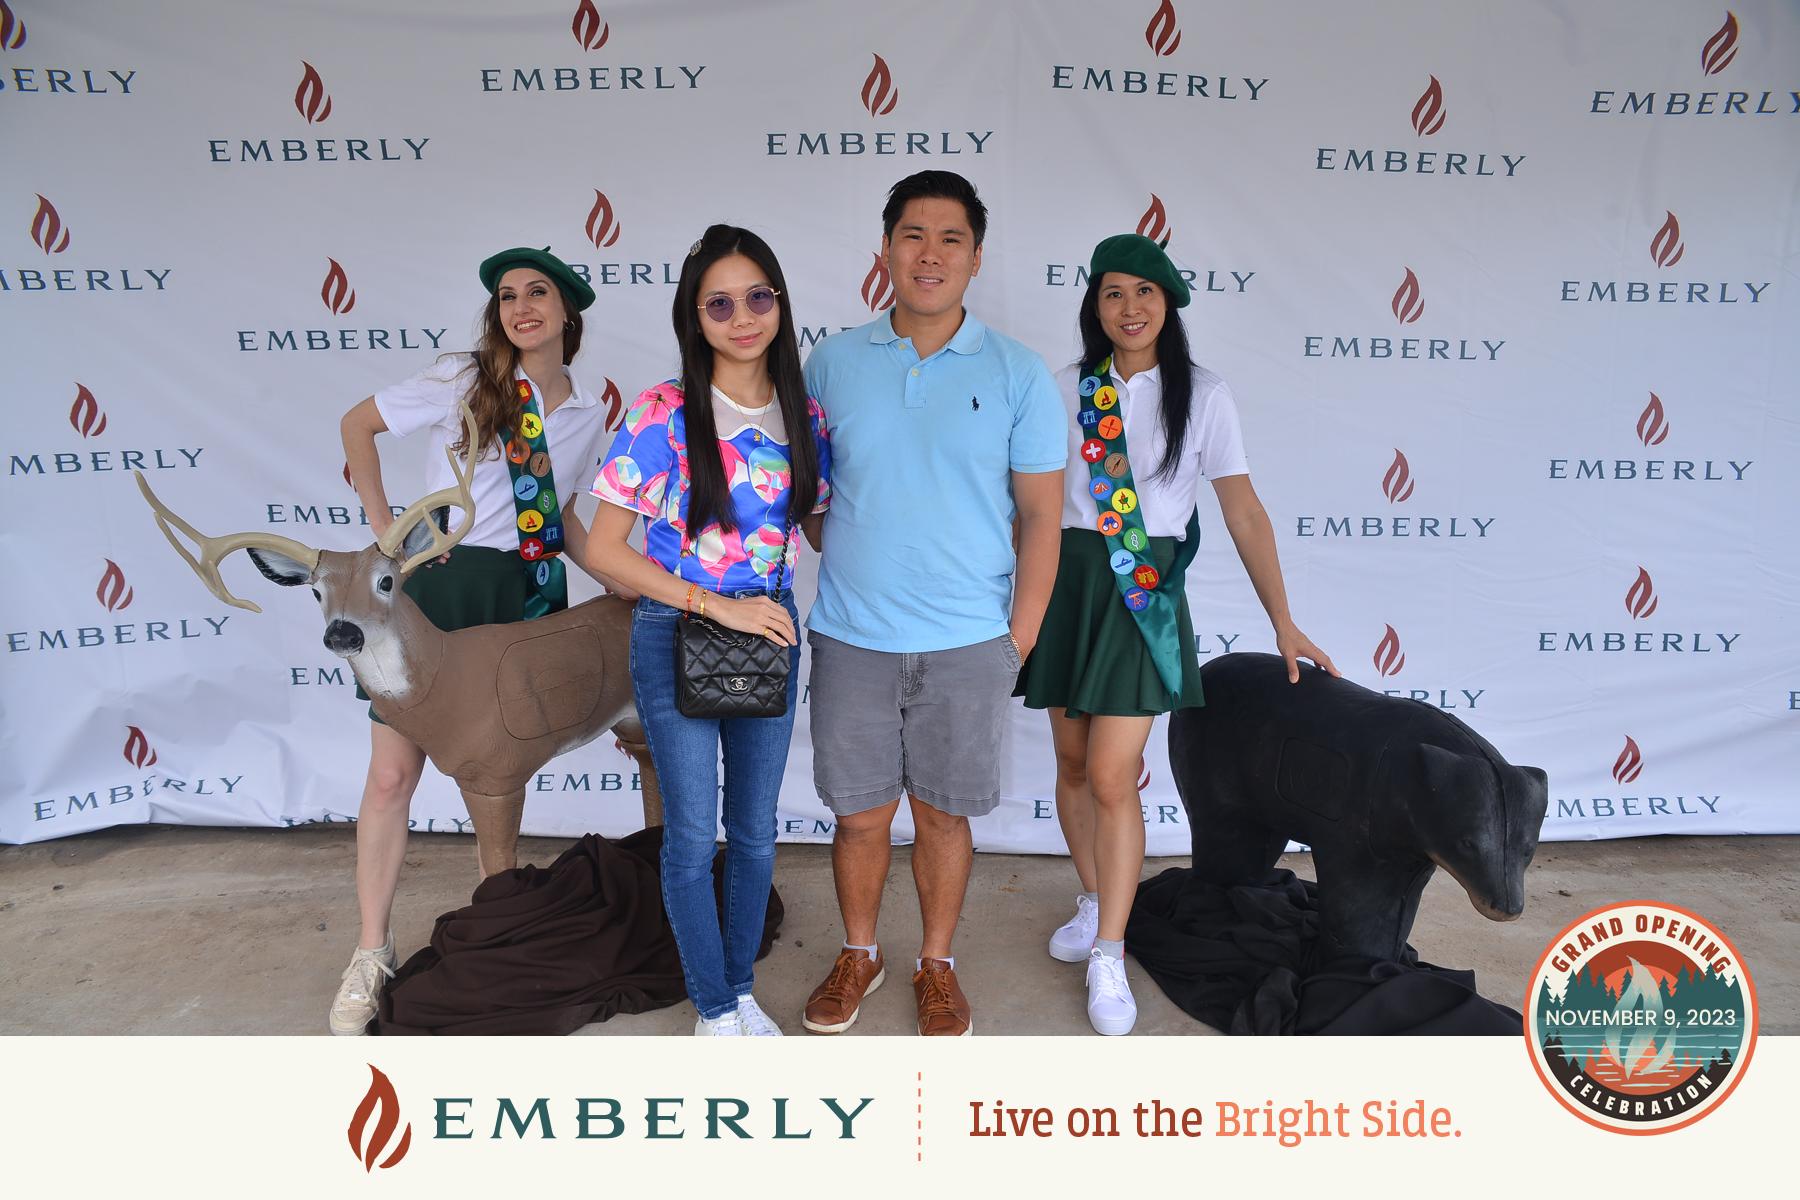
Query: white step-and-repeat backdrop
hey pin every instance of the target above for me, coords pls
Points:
(1507, 295)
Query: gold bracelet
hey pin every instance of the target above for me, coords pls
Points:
(703, 602)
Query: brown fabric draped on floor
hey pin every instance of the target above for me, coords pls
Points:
(550, 949)
(1246, 959)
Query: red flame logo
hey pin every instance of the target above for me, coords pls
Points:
(1154, 224)
(1397, 484)
(85, 414)
(113, 593)
(615, 405)
(1428, 113)
(336, 291)
(879, 95)
(1721, 47)
(1666, 248)
(137, 748)
(380, 1096)
(12, 29)
(1651, 427)
(1630, 763)
(348, 482)
(1408, 304)
(47, 228)
(1162, 34)
(1388, 659)
(1143, 774)
(878, 286)
(310, 98)
(588, 28)
(1640, 598)
(602, 230)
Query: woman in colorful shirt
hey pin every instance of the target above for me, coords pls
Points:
(534, 425)
(1146, 425)
(715, 481)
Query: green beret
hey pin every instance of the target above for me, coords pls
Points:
(576, 292)
(1135, 254)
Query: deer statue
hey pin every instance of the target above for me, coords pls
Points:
(488, 705)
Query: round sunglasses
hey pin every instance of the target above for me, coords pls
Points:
(759, 300)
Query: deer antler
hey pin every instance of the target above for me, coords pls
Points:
(214, 549)
(459, 496)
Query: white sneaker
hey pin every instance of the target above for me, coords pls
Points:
(359, 993)
(1072, 942)
(755, 1022)
(724, 1026)
(1110, 1007)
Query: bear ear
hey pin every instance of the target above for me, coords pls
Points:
(1445, 771)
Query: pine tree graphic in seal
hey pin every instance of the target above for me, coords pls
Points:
(1640, 1017)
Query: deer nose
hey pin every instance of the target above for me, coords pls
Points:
(343, 638)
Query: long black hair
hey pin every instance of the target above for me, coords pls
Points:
(709, 492)
(1171, 356)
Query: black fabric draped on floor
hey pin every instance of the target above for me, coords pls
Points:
(1247, 959)
(550, 949)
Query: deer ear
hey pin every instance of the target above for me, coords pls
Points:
(278, 567)
(418, 538)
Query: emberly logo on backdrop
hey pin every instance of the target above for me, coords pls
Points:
(339, 299)
(1408, 306)
(1429, 115)
(115, 594)
(878, 96)
(53, 236)
(601, 229)
(1626, 769)
(1667, 249)
(1154, 223)
(591, 32)
(1397, 485)
(89, 421)
(1163, 38)
(1713, 56)
(313, 102)
(1389, 660)
(351, 513)
(49, 80)
(1641, 604)
(1653, 426)
(139, 754)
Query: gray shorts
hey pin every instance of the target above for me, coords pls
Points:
(929, 724)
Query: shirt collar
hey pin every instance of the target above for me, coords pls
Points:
(968, 339)
(579, 397)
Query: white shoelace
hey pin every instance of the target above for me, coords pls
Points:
(1108, 983)
(755, 1021)
(1087, 916)
(365, 981)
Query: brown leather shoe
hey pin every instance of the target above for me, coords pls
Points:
(833, 1005)
(943, 1009)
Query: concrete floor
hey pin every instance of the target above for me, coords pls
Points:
(244, 931)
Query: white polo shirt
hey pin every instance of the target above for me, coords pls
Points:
(576, 431)
(1214, 448)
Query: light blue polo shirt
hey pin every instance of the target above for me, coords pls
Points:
(918, 547)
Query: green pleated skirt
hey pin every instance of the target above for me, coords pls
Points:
(1090, 658)
(478, 586)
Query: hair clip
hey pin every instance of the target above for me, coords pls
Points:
(695, 248)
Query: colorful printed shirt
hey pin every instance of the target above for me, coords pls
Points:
(646, 470)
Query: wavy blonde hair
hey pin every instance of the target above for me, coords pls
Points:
(491, 368)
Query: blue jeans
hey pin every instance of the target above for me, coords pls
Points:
(719, 966)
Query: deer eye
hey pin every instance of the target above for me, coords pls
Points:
(318, 597)
(385, 585)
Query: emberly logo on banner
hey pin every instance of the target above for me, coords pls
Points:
(1641, 602)
(1389, 660)
(1641, 804)
(1667, 248)
(89, 420)
(1429, 115)
(114, 593)
(139, 753)
(54, 237)
(1154, 223)
(47, 80)
(601, 228)
(1397, 485)
(339, 299)
(1714, 54)
(1653, 426)
(1407, 305)
(591, 32)
(313, 104)
(1162, 36)
(877, 95)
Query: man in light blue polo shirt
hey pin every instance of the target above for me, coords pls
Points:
(943, 434)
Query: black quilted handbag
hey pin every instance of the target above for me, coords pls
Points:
(720, 672)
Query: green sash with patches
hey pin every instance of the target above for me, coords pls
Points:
(538, 508)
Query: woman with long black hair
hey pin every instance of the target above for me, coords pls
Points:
(726, 465)
(1146, 426)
